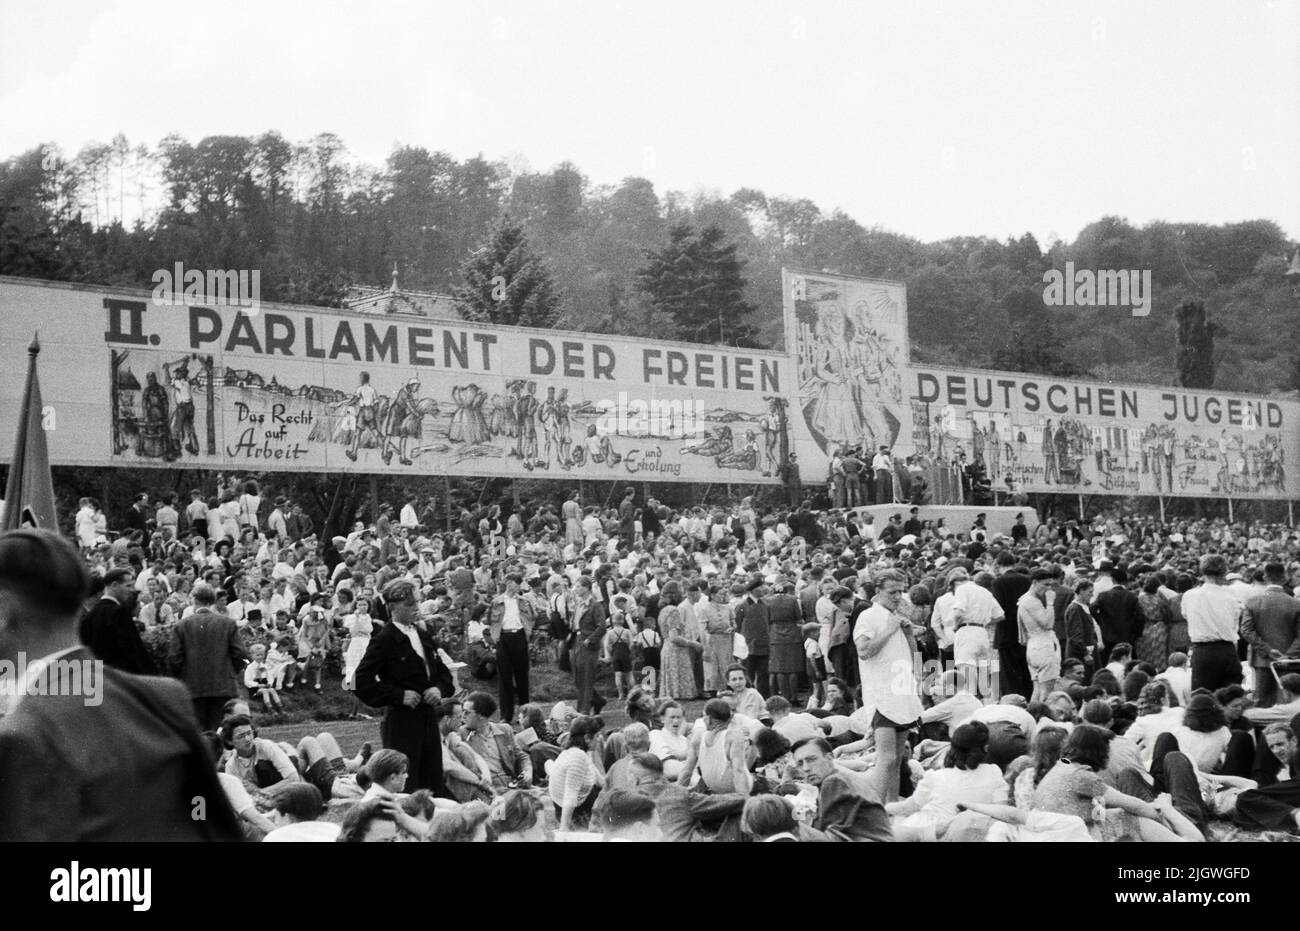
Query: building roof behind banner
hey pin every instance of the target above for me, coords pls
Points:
(394, 300)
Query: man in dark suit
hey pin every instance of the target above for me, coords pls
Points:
(137, 515)
(1007, 588)
(1271, 625)
(109, 629)
(88, 753)
(751, 621)
(207, 654)
(402, 673)
(589, 622)
(1118, 616)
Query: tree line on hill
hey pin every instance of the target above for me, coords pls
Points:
(550, 248)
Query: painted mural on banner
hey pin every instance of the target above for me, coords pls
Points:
(134, 383)
(848, 339)
(856, 388)
(1045, 434)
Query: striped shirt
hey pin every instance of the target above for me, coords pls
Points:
(573, 778)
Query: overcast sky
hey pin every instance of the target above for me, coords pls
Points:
(933, 119)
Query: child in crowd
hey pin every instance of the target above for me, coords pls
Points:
(647, 643)
(816, 664)
(280, 663)
(258, 682)
(617, 648)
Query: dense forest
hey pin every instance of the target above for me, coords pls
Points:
(628, 259)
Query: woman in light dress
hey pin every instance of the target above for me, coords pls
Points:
(359, 627)
(715, 617)
(677, 676)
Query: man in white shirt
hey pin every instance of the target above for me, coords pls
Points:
(408, 517)
(511, 619)
(943, 624)
(954, 702)
(1179, 678)
(883, 467)
(973, 609)
(197, 512)
(1213, 620)
(277, 521)
(887, 670)
(793, 727)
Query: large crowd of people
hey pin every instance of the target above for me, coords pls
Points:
(796, 674)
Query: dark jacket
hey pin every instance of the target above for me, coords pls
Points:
(848, 811)
(391, 667)
(590, 624)
(783, 620)
(1080, 632)
(207, 654)
(752, 622)
(1271, 621)
(1118, 615)
(128, 767)
(110, 633)
(1007, 589)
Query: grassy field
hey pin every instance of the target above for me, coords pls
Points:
(310, 713)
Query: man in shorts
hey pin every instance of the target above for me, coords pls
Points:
(887, 670)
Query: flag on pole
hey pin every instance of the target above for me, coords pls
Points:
(29, 493)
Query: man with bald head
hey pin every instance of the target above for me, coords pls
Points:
(402, 673)
(88, 752)
(208, 655)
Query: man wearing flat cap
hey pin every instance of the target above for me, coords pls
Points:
(402, 673)
(87, 752)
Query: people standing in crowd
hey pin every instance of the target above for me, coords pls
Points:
(311, 592)
(1270, 624)
(403, 673)
(109, 630)
(511, 620)
(208, 655)
(1213, 620)
(752, 620)
(589, 623)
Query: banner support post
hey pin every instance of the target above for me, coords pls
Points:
(1290, 514)
(1162, 508)
(1230, 510)
(1081, 506)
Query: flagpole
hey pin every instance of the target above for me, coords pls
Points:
(29, 491)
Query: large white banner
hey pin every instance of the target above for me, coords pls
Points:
(855, 387)
(130, 382)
